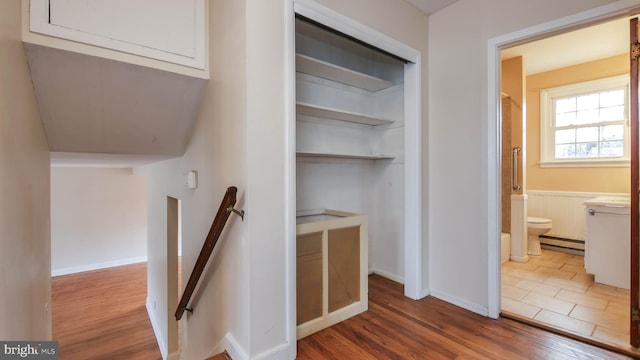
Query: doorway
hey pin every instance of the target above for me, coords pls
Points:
(174, 274)
(573, 261)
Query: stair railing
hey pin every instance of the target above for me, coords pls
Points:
(226, 208)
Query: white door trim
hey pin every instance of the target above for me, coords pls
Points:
(583, 19)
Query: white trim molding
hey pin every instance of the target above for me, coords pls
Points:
(316, 12)
(98, 266)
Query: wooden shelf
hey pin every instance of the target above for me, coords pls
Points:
(345, 156)
(335, 114)
(325, 70)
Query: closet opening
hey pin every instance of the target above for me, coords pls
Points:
(357, 162)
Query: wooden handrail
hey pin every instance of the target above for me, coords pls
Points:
(226, 207)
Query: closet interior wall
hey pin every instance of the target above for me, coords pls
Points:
(354, 165)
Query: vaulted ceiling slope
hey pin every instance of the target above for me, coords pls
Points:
(94, 105)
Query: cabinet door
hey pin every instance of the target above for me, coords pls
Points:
(169, 30)
(309, 277)
(344, 267)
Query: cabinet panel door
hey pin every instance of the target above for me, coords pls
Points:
(169, 30)
(166, 25)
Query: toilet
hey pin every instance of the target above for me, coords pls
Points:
(536, 226)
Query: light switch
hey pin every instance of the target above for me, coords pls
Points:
(192, 179)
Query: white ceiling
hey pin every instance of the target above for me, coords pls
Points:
(431, 6)
(576, 47)
(97, 106)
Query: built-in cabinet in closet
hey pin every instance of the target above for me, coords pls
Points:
(350, 171)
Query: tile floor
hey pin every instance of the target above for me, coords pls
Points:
(555, 289)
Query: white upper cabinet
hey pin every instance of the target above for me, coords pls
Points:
(166, 30)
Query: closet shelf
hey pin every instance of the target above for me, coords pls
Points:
(344, 156)
(335, 114)
(312, 66)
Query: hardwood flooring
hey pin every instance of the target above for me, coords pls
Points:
(396, 327)
(101, 315)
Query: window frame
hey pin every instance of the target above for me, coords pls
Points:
(547, 128)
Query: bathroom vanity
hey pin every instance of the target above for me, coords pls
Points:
(607, 244)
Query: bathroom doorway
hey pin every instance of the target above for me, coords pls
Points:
(553, 289)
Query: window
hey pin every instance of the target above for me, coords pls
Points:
(585, 124)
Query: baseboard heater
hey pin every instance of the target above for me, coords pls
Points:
(555, 243)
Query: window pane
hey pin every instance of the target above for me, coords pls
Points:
(613, 113)
(566, 136)
(612, 132)
(612, 148)
(590, 101)
(587, 116)
(612, 98)
(584, 150)
(588, 120)
(565, 151)
(565, 119)
(566, 105)
(587, 134)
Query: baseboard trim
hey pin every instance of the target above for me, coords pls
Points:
(230, 344)
(387, 275)
(425, 293)
(103, 265)
(277, 353)
(519, 259)
(460, 303)
(156, 331)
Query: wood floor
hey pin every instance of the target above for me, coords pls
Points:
(399, 328)
(101, 315)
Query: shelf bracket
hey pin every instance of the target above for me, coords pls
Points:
(236, 211)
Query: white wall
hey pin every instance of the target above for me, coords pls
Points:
(98, 218)
(269, 175)
(217, 151)
(25, 282)
(458, 128)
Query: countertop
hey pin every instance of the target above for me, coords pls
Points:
(609, 201)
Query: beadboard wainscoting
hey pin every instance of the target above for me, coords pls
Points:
(566, 211)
